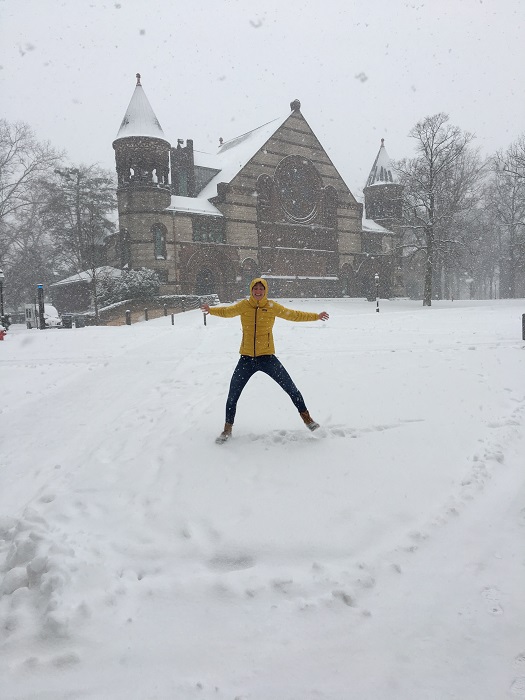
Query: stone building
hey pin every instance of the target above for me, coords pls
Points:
(270, 202)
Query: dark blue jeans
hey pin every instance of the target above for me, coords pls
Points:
(270, 365)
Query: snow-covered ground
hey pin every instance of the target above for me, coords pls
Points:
(380, 559)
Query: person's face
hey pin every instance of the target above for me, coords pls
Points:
(258, 291)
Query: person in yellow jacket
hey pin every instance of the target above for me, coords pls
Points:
(258, 314)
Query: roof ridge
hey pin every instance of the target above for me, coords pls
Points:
(228, 144)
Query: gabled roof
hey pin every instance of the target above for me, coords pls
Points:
(382, 171)
(140, 119)
(87, 275)
(233, 155)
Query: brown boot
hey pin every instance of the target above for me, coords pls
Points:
(309, 421)
(226, 434)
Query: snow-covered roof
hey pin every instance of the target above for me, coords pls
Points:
(140, 119)
(193, 205)
(382, 171)
(370, 226)
(87, 275)
(233, 155)
(202, 159)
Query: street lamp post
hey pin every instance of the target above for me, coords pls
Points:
(376, 277)
(41, 308)
(2, 278)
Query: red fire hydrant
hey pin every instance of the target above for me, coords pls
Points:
(2, 333)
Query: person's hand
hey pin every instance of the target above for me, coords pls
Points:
(205, 308)
(323, 316)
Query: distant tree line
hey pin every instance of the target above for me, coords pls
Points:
(463, 225)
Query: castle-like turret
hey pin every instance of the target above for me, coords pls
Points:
(383, 192)
(384, 205)
(142, 156)
(141, 150)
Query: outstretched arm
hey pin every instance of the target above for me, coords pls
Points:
(294, 315)
(223, 311)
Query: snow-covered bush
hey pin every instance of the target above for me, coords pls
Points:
(132, 284)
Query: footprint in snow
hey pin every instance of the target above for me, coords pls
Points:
(231, 562)
(519, 662)
(517, 687)
(344, 597)
(492, 598)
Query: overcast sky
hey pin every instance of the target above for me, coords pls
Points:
(362, 69)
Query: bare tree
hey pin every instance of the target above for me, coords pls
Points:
(23, 161)
(514, 159)
(439, 184)
(506, 204)
(475, 266)
(32, 257)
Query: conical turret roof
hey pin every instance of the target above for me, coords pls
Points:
(140, 119)
(382, 171)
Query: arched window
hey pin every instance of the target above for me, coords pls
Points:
(124, 249)
(159, 241)
(299, 186)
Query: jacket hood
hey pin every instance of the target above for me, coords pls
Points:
(265, 297)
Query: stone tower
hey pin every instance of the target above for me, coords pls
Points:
(384, 204)
(383, 193)
(142, 156)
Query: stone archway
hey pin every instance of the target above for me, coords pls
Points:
(205, 282)
(210, 271)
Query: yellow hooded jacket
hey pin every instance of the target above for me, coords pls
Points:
(257, 319)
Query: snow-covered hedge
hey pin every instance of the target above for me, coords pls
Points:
(142, 283)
